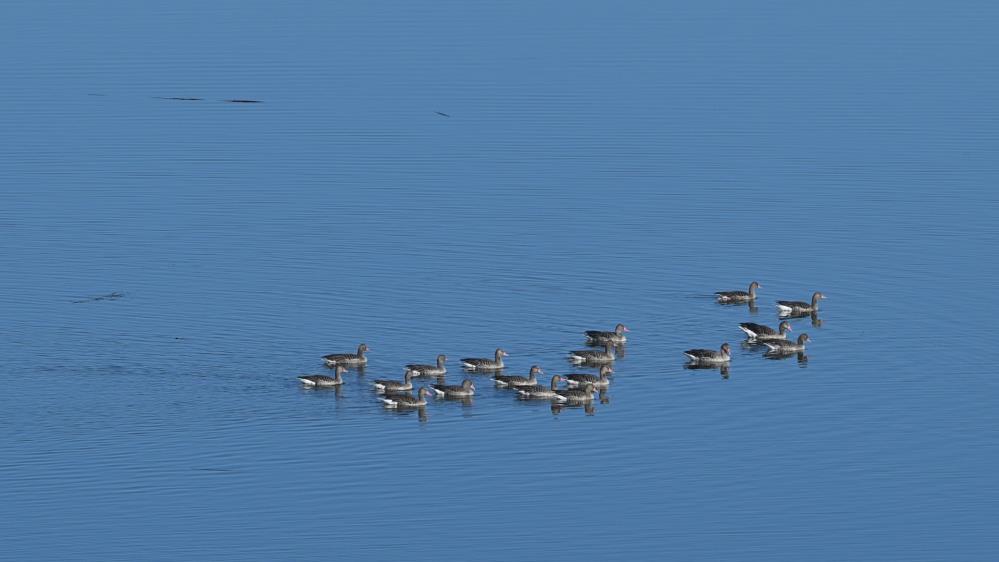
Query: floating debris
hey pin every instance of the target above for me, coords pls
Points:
(442, 114)
(108, 297)
(243, 101)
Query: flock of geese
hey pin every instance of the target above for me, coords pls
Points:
(579, 387)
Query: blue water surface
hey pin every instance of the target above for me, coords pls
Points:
(597, 162)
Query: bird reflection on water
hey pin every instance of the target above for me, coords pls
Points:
(722, 368)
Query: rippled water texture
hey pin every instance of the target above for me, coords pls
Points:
(169, 266)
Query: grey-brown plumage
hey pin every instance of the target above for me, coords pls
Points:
(466, 388)
(760, 333)
(480, 364)
(739, 296)
(394, 385)
(419, 370)
(710, 355)
(519, 380)
(539, 390)
(784, 346)
(598, 381)
(584, 394)
(407, 400)
(800, 307)
(615, 337)
(324, 380)
(593, 356)
(348, 359)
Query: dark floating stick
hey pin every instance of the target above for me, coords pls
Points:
(243, 101)
(108, 297)
(442, 114)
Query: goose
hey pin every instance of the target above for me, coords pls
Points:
(584, 394)
(710, 355)
(784, 346)
(324, 380)
(759, 332)
(407, 400)
(800, 307)
(739, 296)
(466, 388)
(598, 381)
(383, 385)
(348, 359)
(477, 363)
(429, 370)
(592, 356)
(540, 390)
(615, 337)
(519, 380)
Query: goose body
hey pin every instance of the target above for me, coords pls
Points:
(738, 296)
(540, 390)
(466, 388)
(784, 346)
(593, 356)
(722, 355)
(760, 333)
(480, 364)
(800, 307)
(598, 381)
(519, 380)
(419, 370)
(324, 380)
(615, 337)
(383, 385)
(584, 394)
(407, 400)
(348, 359)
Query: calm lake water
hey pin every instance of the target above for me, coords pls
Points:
(597, 163)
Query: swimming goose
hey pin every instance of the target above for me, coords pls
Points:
(540, 390)
(466, 388)
(710, 355)
(759, 332)
(615, 337)
(584, 394)
(407, 400)
(324, 380)
(382, 385)
(601, 381)
(348, 359)
(800, 307)
(592, 356)
(429, 370)
(784, 346)
(477, 363)
(519, 380)
(739, 296)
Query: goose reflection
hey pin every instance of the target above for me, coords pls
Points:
(722, 368)
(750, 305)
(588, 408)
(781, 356)
(420, 412)
(813, 316)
